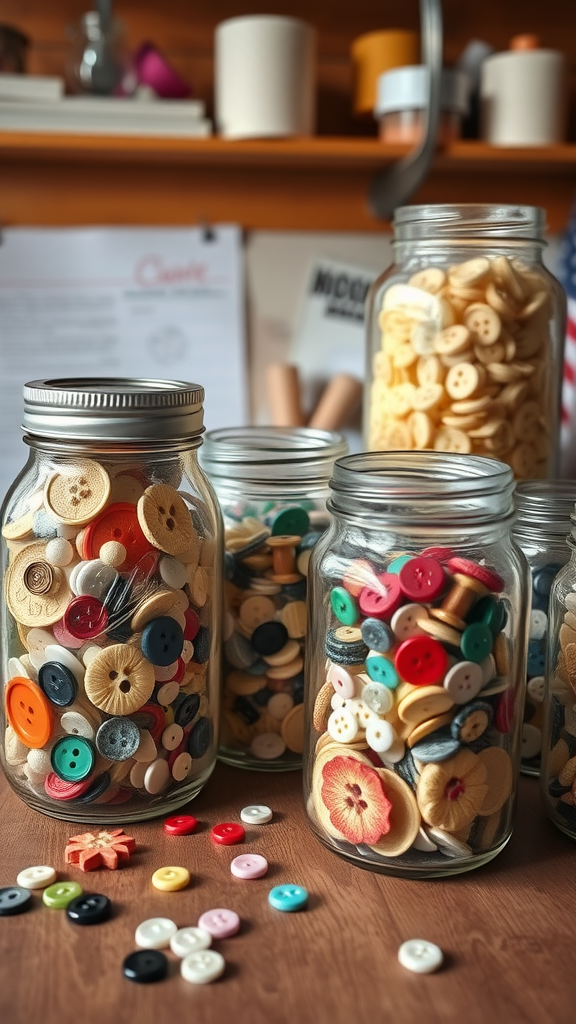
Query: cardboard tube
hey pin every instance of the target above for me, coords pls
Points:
(283, 386)
(338, 402)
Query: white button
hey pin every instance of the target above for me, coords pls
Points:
(165, 673)
(256, 814)
(167, 694)
(342, 681)
(137, 774)
(380, 736)
(423, 842)
(94, 579)
(404, 622)
(146, 748)
(336, 701)
(36, 878)
(39, 762)
(463, 681)
(361, 712)
(188, 650)
(267, 746)
(155, 933)
(16, 668)
(279, 705)
(342, 726)
(156, 776)
(173, 572)
(536, 688)
(59, 551)
(378, 698)
(76, 724)
(190, 940)
(38, 639)
(182, 766)
(538, 623)
(394, 753)
(88, 653)
(420, 956)
(531, 741)
(488, 666)
(201, 968)
(172, 736)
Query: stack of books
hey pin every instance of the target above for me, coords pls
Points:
(37, 104)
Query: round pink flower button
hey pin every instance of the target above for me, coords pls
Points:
(249, 865)
(220, 923)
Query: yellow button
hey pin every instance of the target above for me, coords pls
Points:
(170, 879)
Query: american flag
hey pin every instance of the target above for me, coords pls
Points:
(567, 276)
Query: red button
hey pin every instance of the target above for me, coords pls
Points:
(440, 554)
(422, 579)
(151, 717)
(192, 624)
(179, 673)
(85, 617)
(228, 833)
(58, 789)
(117, 522)
(478, 572)
(504, 715)
(422, 661)
(381, 599)
(180, 825)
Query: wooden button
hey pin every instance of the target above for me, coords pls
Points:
(78, 492)
(165, 519)
(119, 680)
(483, 323)
(25, 588)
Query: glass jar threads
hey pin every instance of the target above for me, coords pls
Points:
(112, 571)
(540, 530)
(558, 758)
(465, 338)
(416, 661)
(272, 483)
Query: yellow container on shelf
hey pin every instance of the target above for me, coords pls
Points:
(377, 52)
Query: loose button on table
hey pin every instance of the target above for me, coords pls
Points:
(288, 897)
(59, 895)
(190, 940)
(14, 899)
(228, 833)
(37, 877)
(220, 923)
(180, 825)
(420, 956)
(90, 908)
(155, 933)
(145, 966)
(256, 814)
(203, 967)
(249, 865)
(171, 879)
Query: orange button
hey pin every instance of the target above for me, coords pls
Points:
(28, 712)
(117, 522)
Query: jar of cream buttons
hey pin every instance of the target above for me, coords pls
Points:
(416, 663)
(272, 483)
(111, 570)
(465, 338)
(558, 758)
(541, 528)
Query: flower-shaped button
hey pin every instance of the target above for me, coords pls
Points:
(451, 794)
(106, 848)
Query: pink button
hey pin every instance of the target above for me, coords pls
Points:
(249, 865)
(381, 599)
(342, 681)
(422, 579)
(65, 638)
(219, 923)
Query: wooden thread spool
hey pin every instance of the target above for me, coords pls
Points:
(459, 600)
(284, 559)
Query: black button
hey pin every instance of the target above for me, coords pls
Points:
(59, 683)
(162, 641)
(201, 646)
(186, 708)
(118, 739)
(200, 738)
(14, 900)
(269, 638)
(98, 787)
(145, 965)
(90, 908)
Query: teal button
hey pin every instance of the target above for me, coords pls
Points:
(288, 897)
(476, 642)
(397, 563)
(59, 895)
(344, 606)
(382, 671)
(73, 758)
(492, 613)
(291, 522)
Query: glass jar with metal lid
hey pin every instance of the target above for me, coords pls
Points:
(111, 568)
(272, 483)
(416, 663)
(465, 338)
(542, 524)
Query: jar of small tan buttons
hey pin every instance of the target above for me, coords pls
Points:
(542, 524)
(272, 483)
(558, 757)
(111, 567)
(416, 662)
(465, 338)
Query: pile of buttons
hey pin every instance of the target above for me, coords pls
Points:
(81, 908)
(559, 758)
(109, 584)
(415, 715)
(266, 568)
(535, 684)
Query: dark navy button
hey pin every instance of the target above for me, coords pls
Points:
(544, 578)
(235, 572)
(186, 709)
(145, 966)
(471, 721)
(239, 651)
(14, 899)
(309, 540)
(200, 738)
(436, 747)
(556, 790)
(201, 646)
(407, 770)
(162, 641)
(97, 788)
(59, 683)
(118, 739)
(90, 908)
(269, 638)
(297, 683)
(247, 712)
(377, 635)
(536, 658)
(295, 591)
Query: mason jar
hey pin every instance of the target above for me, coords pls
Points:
(465, 338)
(111, 568)
(558, 759)
(272, 484)
(416, 663)
(542, 524)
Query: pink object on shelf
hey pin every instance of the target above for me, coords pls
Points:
(154, 70)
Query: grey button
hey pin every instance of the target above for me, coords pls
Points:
(118, 739)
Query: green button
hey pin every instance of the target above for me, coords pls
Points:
(59, 895)
(476, 642)
(492, 613)
(291, 522)
(344, 606)
(73, 758)
(397, 563)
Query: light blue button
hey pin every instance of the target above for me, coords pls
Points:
(382, 671)
(397, 563)
(288, 897)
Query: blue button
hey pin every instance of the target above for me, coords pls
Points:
(200, 738)
(202, 646)
(186, 708)
(14, 899)
(59, 683)
(544, 578)
(382, 671)
(377, 635)
(536, 658)
(72, 758)
(436, 747)
(162, 641)
(288, 897)
(398, 563)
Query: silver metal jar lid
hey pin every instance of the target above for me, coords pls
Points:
(112, 409)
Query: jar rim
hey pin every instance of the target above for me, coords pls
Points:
(265, 452)
(461, 221)
(545, 504)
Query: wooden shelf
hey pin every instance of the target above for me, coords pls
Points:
(320, 183)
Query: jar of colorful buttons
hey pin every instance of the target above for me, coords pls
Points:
(558, 758)
(111, 566)
(272, 483)
(465, 338)
(542, 525)
(416, 663)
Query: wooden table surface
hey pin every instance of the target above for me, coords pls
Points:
(508, 930)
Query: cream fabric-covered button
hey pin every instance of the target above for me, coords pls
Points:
(167, 693)
(76, 724)
(202, 968)
(420, 956)
(155, 933)
(37, 877)
(173, 572)
(190, 940)
(157, 776)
